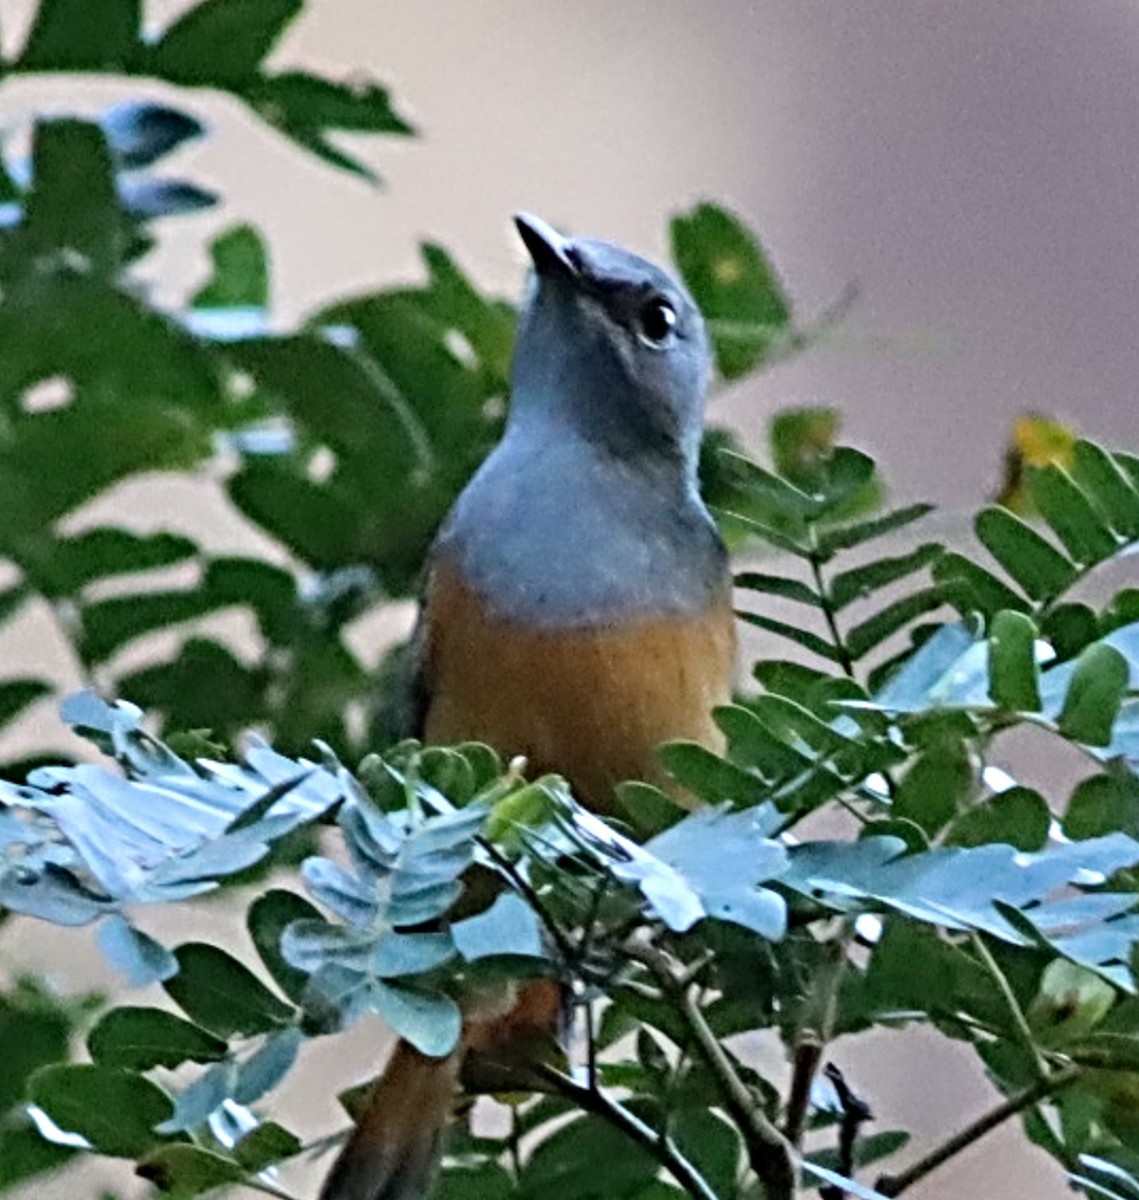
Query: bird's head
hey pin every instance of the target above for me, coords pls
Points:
(609, 347)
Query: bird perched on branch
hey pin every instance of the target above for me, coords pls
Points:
(577, 610)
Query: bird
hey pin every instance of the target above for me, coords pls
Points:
(577, 611)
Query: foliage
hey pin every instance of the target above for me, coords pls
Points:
(956, 897)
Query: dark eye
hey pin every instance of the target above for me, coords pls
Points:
(656, 323)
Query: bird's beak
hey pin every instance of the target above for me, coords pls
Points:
(547, 248)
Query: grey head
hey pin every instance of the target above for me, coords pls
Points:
(609, 347)
(588, 511)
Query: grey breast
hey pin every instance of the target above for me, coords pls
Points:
(560, 536)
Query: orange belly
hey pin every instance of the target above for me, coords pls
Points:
(590, 704)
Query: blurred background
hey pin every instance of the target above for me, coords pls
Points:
(971, 168)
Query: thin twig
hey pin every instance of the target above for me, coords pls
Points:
(771, 1155)
(895, 1185)
(830, 616)
(1019, 1020)
(815, 1031)
(659, 1145)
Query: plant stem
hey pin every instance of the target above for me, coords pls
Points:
(595, 1101)
(771, 1155)
(830, 616)
(1019, 1020)
(895, 1185)
(815, 1031)
(522, 884)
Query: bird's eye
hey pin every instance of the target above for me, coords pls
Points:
(656, 323)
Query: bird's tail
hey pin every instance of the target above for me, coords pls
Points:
(394, 1152)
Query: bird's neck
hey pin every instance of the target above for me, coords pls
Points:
(601, 427)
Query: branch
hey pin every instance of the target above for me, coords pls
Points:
(771, 1155)
(659, 1145)
(895, 1185)
(815, 1030)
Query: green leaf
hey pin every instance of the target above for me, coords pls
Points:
(711, 1144)
(74, 35)
(184, 1171)
(72, 206)
(34, 1031)
(59, 459)
(114, 1109)
(1103, 804)
(652, 811)
(299, 103)
(140, 1039)
(775, 493)
(860, 582)
(25, 1154)
(729, 517)
(12, 600)
(568, 1163)
(267, 1144)
(938, 784)
(804, 637)
(755, 744)
(220, 994)
(319, 525)
(110, 624)
(1070, 627)
(840, 478)
(18, 694)
(1094, 695)
(1108, 486)
(487, 1181)
(268, 917)
(736, 288)
(240, 277)
(708, 776)
(221, 43)
(1070, 1003)
(1013, 674)
(843, 537)
(73, 562)
(203, 687)
(872, 632)
(778, 585)
(1036, 565)
(1081, 530)
(972, 589)
(1019, 817)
